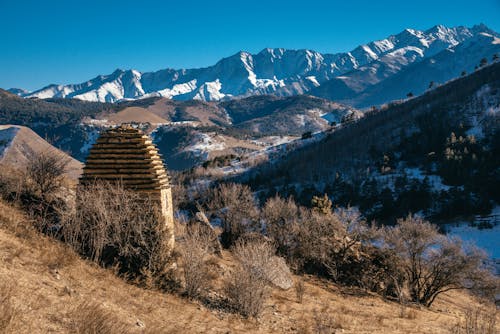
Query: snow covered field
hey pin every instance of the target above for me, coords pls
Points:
(487, 238)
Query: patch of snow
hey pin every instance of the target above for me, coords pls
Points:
(435, 181)
(403, 51)
(7, 134)
(369, 51)
(92, 135)
(204, 144)
(332, 117)
(487, 238)
(383, 45)
(107, 92)
(178, 89)
(210, 91)
(313, 79)
(300, 120)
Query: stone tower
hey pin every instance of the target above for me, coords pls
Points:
(127, 155)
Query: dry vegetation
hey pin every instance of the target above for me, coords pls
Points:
(65, 299)
(112, 273)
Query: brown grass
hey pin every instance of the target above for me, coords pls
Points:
(477, 321)
(44, 300)
(91, 318)
(9, 314)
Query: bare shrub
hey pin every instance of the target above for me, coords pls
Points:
(9, 313)
(10, 183)
(235, 205)
(248, 286)
(45, 172)
(432, 264)
(195, 252)
(280, 217)
(38, 187)
(477, 321)
(300, 290)
(116, 227)
(328, 242)
(91, 318)
(322, 204)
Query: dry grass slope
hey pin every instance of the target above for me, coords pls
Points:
(46, 288)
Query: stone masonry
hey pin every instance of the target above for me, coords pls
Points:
(127, 155)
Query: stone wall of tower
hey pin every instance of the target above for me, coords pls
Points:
(127, 155)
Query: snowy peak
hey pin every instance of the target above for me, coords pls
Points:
(272, 70)
(18, 91)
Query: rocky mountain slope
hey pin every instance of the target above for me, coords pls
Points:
(288, 72)
(186, 132)
(409, 71)
(436, 154)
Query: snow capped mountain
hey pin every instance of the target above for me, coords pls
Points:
(275, 71)
(439, 68)
(18, 91)
(411, 69)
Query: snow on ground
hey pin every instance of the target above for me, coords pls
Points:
(92, 135)
(331, 117)
(178, 89)
(273, 140)
(486, 238)
(313, 79)
(300, 120)
(7, 134)
(435, 181)
(107, 92)
(205, 143)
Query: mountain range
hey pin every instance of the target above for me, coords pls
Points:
(373, 73)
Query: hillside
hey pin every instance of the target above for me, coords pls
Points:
(436, 154)
(45, 287)
(186, 132)
(17, 143)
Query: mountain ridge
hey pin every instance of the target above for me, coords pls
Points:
(275, 71)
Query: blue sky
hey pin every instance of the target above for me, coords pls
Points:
(62, 42)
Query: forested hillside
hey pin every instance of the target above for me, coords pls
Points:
(438, 154)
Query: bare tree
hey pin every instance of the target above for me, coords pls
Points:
(235, 205)
(433, 263)
(41, 188)
(45, 172)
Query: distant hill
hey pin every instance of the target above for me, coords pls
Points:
(18, 142)
(187, 132)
